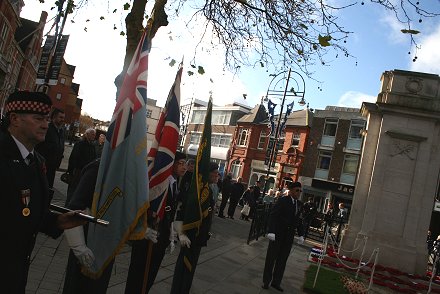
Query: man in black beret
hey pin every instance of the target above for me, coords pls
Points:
(183, 277)
(161, 233)
(24, 189)
(284, 220)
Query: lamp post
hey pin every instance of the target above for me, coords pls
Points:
(296, 90)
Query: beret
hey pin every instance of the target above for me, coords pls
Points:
(28, 102)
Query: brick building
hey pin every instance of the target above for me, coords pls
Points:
(64, 94)
(224, 120)
(250, 147)
(20, 48)
(332, 156)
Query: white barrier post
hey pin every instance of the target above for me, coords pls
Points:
(321, 256)
(372, 270)
(362, 256)
(434, 269)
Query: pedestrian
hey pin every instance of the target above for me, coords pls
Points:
(24, 189)
(83, 152)
(159, 234)
(185, 181)
(192, 245)
(309, 212)
(248, 199)
(52, 148)
(283, 222)
(269, 197)
(226, 193)
(80, 255)
(100, 145)
(237, 190)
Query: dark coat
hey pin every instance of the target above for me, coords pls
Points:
(83, 153)
(20, 231)
(52, 149)
(285, 218)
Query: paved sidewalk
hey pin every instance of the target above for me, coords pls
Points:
(227, 265)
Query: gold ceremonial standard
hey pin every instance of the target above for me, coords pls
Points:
(26, 211)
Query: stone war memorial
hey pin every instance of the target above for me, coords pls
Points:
(399, 172)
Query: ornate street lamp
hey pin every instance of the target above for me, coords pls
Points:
(294, 89)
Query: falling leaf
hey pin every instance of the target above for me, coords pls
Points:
(413, 32)
(190, 73)
(172, 62)
(126, 6)
(261, 64)
(303, 26)
(201, 70)
(324, 40)
(114, 27)
(193, 66)
(85, 29)
(72, 21)
(87, 20)
(114, 11)
(171, 38)
(101, 18)
(122, 33)
(211, 80)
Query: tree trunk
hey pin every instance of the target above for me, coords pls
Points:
(134, 27)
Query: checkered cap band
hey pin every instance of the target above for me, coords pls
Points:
(28, 107)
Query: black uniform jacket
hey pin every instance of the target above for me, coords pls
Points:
(18, 231)
(285, 218)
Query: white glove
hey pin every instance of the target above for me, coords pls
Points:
(151, 235)
(271, 236)
(300, 240)
(76, 240)
(172, 247)
(173, 233)
(184, 240)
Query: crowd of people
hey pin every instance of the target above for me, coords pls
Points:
(32, 148)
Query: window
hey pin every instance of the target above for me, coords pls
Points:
(3, 36)
(221, 117)
(281, 139)
(62, 81)
(355, 129)
(220, 140)
(262, 140)
(58, 96)
(195, 138)
(149, 112)
(243, 137)
(296, 137)
(331, 124)
(324, 160)
(235, 169)
(198, 117)
(350, 164)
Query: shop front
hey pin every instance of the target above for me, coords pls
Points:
(326, 192)
(259, 171)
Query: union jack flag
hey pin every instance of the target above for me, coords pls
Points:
(163, 149)
(121, 191)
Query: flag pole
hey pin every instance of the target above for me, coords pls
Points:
(148, 262)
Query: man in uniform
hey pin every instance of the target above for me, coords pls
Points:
(24, 189)
(191, 242)
(283, 222)
(159, 235)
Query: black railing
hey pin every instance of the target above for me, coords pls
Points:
(315, 231)
(260, 219)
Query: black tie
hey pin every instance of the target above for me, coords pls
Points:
(30, 159)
